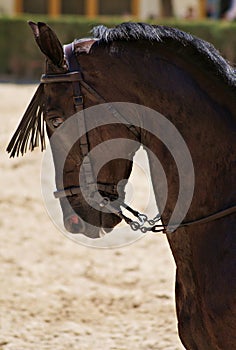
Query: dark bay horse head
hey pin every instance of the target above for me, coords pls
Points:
(58, 98)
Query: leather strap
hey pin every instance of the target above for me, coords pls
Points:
(205, 220)
(211, 217)
(106, 188)
(61, 78)
(74, 66)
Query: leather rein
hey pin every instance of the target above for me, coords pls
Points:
(143, 224)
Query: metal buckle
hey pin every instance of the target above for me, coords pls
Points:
(78, 100)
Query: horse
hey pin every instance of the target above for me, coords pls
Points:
(186, 80)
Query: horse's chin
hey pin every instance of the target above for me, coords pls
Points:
(77, 225)
(102, 232)
(80, 227)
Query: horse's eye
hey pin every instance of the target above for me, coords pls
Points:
(57, 121)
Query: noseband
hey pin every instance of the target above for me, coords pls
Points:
(109, 191)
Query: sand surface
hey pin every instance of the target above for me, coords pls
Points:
(58, 295)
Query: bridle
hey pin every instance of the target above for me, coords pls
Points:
(74, 77)
(109, 191)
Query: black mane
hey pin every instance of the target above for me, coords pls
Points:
(140, 31)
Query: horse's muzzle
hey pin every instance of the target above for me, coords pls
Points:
(75, 224)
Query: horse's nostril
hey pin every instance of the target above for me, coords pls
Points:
(74, 219)
(74, 224)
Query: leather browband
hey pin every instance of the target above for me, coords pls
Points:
(61, 78)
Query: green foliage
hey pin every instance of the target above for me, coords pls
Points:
(21, 59)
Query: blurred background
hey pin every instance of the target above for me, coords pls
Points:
(212, 20)
(143, 9)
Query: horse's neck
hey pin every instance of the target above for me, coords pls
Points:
(209, 132)
(201, 113)
(150, 75)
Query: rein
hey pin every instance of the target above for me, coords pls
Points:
(110, 191)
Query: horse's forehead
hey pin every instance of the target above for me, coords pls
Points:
(55, 90)
(84, 45)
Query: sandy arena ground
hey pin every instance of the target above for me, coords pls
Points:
(59, 295)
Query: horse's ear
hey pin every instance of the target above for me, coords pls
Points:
(48, 43)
